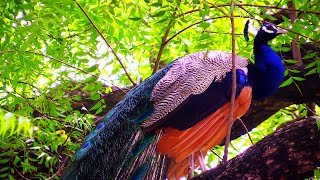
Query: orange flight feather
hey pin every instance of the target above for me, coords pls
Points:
(204, 135)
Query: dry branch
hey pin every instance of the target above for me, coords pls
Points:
(292, 152)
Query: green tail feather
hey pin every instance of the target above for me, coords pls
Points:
(117, 147)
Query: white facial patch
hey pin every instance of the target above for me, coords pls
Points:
(266, 30)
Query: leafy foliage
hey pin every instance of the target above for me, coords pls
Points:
(52, 58)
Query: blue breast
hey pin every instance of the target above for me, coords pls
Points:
(267, 73)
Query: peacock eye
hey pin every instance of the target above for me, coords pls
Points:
(269, 29)
(272, 27)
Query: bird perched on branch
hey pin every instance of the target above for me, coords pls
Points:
(178, 113)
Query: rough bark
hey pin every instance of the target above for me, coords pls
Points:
(291, 152)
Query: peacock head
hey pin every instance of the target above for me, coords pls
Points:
(267, 32)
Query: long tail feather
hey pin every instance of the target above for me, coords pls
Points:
(117, 148)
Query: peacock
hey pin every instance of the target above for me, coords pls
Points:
(178, 113)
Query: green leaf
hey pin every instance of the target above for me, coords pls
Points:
(299, 78)
(135, 18)
(204, 24)
(157, 4)
(318, 124)
(312, 71)
(4, 153)
(96, 106)
(160, 13)
(77, 98)
(291, 61)
(94, 96)
(98, 111)
(16, 160)
(11, 177)
(162, 20)
(310, 55)
(91, 79)
(204, 37)
(3, 161)
(272, 18)
(287, 82)
(146, 23)
(294, 70)
(285, 49)
(311, 65)
(4, 175)
(4, 169)
(92, 68)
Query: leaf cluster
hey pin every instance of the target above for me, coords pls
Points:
(52, 60)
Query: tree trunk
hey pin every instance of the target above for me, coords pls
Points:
(291, 152)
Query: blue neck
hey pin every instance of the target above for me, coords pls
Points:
(267, 73)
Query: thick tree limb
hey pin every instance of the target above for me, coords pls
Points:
(292, 152)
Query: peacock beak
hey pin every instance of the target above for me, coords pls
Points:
(281, 31)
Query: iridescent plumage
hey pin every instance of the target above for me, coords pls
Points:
(179, 111)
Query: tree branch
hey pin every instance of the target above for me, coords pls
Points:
(234, 83)
(290, 152)
(163, 43)
(251, 5)
(58, 60)
(184, 29)
(106, 41)
(295, 42)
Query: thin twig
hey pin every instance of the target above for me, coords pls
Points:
(191, 166)
(278, 3)
(314, 113)
(275, 7)
(214, 6)
(163, 43)
(62, 62)
(21, 82)
(184, 29)
(233, 93)
(70, 36)
(105, 40)
(251, 5)
(237, 16)
(60, 168)
(234, 148)
(216, 154)
(246, 11)
(74, 127)
(216, 32)
(295, 41)
(201, 161)
(23, 177)
(34, 108)
(245, 127)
